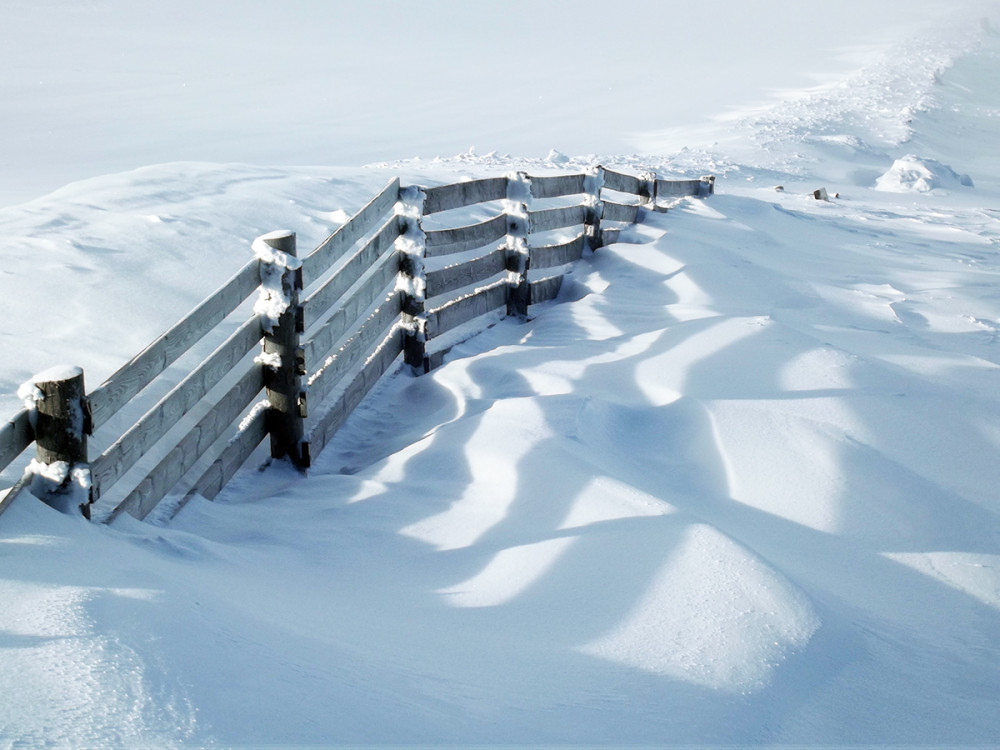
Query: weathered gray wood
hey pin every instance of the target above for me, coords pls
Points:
(373, 289)
(545, 289)
(557, 218)
(464, 309)
(451, 241)
(283, 381)
(461, 194)
(233, 456)
(357, 347)
(620, 212)
(119, 389)
(61, 422)
(318, 304)
(455, 277)
(551, 256)
(195, 444)
(123, 454)
(555, 186)
(380, 363)
(15, 437)
(624, 183)
(677, 188)
(333, 247)
(19, 486)
(610, 236)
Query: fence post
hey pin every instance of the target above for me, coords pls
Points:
(283, 357)
(411, 246)
(707, 186)
(61, 417)
(593, 184)
(517, 207)
(647, 190)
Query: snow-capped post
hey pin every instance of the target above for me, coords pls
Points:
(411, 245)
(593, 184)
(707, 186)
(517, 207)
(647, 189)
(60, 417)
(283, 356)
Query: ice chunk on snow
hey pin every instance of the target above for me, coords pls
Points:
(914, 174)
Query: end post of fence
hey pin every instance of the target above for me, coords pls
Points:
(61, 421)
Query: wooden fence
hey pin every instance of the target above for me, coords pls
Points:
(393, 280)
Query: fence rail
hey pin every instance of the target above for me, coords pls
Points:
(377, 287)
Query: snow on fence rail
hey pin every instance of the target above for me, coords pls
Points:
(391, 281)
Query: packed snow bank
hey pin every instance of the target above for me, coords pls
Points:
(911, 174)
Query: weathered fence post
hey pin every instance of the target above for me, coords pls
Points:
(283, 357)
(411, 246)
(61, 420)
(593, 184)
(707, 186)
(647, 189)
(517, 207)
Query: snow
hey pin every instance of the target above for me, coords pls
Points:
(736, 486)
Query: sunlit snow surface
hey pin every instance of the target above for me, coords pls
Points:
(738, 485)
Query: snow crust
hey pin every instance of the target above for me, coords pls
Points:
(737, 486)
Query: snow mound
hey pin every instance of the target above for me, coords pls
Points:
(912, 174)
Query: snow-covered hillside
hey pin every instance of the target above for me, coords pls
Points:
(737, 486)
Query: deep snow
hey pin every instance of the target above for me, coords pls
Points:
(737, 486)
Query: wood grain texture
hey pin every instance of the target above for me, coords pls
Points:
(620, 212)
(15, 437)
(374, 288)
(624, 183)
(441, 242)
(380, 363)
(557, 218)
(555, 186)
(320, 260)
(135, 375)
(455, 277)
(545, 289)
(233, 456)
(318, 304)
(357, 348)
(678, 188)
(196, 443)
(461, 194)
(462, 310)
(123, 454)
(551, 256)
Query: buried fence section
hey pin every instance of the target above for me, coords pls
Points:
(326, 326)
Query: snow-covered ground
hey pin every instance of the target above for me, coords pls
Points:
(737, 486)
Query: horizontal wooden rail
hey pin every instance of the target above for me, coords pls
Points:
(462, 194)
(320, 260)
(125, 452)
(319, 302)
(15, 437)
(464, 309)
(551, 256)
(465, 274)
(351, 307)
(678, 188)
(556, 186)
(557, 218)
(623, 183)
(120, 388)
(251, 433)
(193, 446)
(546, 289)
(375, 367)
(460, 239)
(374, 329)
(620, 212)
